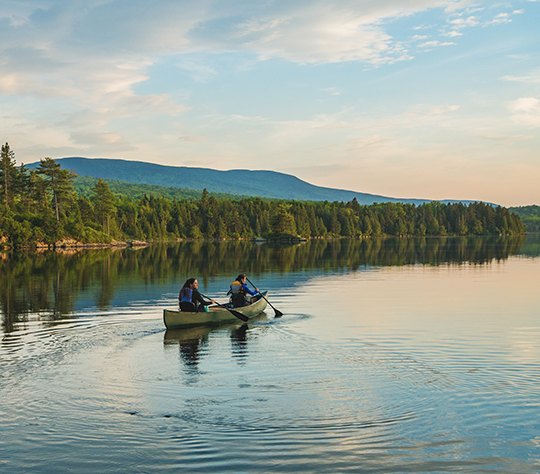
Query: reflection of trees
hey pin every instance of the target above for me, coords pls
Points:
(531, 247)
(239, 342)
(51, 283)
(192, 345)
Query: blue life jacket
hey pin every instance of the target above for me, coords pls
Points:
(185, 295)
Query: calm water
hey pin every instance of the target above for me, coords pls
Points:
(393, 355)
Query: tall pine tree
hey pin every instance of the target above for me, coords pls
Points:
(8, 173)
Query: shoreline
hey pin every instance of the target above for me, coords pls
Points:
(70, 244)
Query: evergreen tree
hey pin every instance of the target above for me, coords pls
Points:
(8, 173)
(59, 182)
(103, 204)
(282, 222)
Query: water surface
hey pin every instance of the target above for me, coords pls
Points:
(393, 355)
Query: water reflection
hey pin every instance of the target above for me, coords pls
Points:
(239, 343)
(51, 283)
(193, 344)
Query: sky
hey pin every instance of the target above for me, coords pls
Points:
(431, 99)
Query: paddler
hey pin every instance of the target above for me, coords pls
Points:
(190, 299)
(239, 291)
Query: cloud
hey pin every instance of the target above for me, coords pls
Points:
(442, 109)
(187, 136)
(460, 23)
(435, 44)
(525, 111)
(533, 79)
(199, 72)
(451, 34)
(314, 31)
(113, 141)
(472, 17)
(500, 19)
(505, 139)
(360, 144)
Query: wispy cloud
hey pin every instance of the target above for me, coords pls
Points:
(532, 79)
(500, 19)
(442, 109)
(526, 111)
(451, 34)
(435, 44)
(505, 139)
(460, 23)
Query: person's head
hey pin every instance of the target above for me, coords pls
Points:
(241, 278)
(191, 284)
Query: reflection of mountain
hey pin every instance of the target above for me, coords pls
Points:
(58, 285)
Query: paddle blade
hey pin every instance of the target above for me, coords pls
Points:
(277, 313)
(241, 316)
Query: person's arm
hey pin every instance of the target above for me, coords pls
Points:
(252, 293)
(196, 296)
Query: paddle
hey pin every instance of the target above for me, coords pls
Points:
(278, 313)
(240, 316)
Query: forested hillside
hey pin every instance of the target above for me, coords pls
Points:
(41, 206)
(530, 215)
(258, 183)
(84, 186)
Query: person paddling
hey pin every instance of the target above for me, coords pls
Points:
(239, 291)
(190, 299)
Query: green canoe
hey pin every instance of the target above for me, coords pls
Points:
(216, 315)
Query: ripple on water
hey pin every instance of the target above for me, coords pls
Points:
(220, 400)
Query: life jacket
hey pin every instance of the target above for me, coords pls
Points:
(185, 301)
(185, 295)
(237, 288)
(238, 294)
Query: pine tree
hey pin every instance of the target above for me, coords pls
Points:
(60, 182)
(104, 203)
(282, 222)
(8, 173)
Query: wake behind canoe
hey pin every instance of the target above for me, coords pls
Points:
(216, 314)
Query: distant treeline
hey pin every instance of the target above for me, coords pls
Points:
(530, 216)
(41, 205)
(84, 186)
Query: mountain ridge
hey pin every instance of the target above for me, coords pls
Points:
(262, 183)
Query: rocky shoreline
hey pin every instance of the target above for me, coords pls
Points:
(75, 244)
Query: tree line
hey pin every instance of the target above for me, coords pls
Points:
(41, 206)
(530, 216)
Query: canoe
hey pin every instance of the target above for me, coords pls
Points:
(216, 315)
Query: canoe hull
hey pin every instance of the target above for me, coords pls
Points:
(179, 319)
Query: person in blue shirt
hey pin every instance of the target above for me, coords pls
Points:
(239, 291)
(190, 299)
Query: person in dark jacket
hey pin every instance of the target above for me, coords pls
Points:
(189, 297)
(239, 291)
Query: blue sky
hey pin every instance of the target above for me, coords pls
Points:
(404, 98)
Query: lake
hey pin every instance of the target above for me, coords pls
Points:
(392, 355)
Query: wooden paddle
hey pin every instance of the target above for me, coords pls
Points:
(240, 316)
(278, 313)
